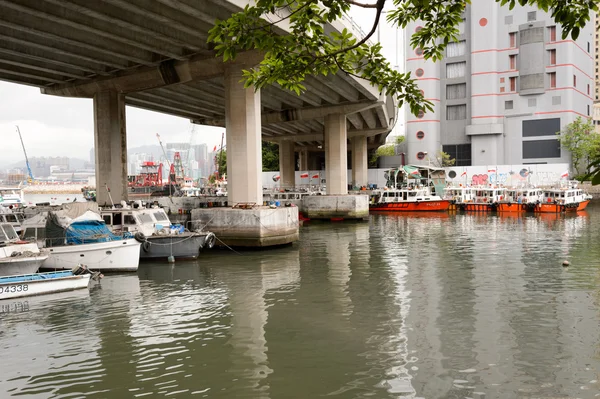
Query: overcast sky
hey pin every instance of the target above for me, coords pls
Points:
(59, 126)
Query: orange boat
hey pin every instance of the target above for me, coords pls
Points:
(475, 199)
(555, 200)
(408, 199)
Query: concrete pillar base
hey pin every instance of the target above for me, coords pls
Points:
(336, 206)
(258, 227)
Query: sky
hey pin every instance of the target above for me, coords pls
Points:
(60, 126)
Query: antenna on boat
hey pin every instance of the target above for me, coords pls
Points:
(109, 196)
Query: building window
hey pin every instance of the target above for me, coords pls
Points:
(419, 72)
(501, 80)
(589, 50)
(552, 80)
(457, 91)
(541, 149)
(553, 57)
(513, 39)
(502, 89)
(456, 49)
(552, 33)
(419, 51)
(460, 152)
(420, 155)
(456, 112)
(420, 134)
(574, 81)
(513, 61)
(588, 87)
(421, 114)
(508, 104)
(513, 83)
(588, 109)
(455, 70)
(531, 16)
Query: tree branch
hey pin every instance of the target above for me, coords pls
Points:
(379, 6)
(356, 3)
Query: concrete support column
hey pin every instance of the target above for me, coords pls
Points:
(336, 156)
(110, 144)
(303, 160)
(244, 147)
(287, 163)
(359, 161)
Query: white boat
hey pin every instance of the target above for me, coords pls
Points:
(77, 234)
(24, 285)
(12, 196)
(153, 229)
(16, 256)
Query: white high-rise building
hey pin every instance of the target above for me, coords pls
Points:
(503, 90)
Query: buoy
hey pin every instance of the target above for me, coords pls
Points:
(171, 259)
(565, 263)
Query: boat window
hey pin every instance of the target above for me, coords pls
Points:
(107, 219)
(128, 219)
(29, 233)
(41, 233)
(145, 218)
(10, 232)
(412, 194)
(11, 218)
(160, 216)
(3, 236)
(117, 218)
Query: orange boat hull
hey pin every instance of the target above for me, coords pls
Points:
(541, 208)
(471, 207)
(421, 206)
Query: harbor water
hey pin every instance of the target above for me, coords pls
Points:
(419, 306)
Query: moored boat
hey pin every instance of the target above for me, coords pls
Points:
(153, 230)
(483, 199)
(569, 198)
(410, 188)
(523, 199)
(75, 234)
(16, 256)
(24, 285)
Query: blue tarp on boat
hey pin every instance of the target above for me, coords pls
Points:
(89, 231)
(35, 277)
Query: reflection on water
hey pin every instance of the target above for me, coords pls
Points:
(424, 306)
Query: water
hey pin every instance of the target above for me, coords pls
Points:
(423, 306)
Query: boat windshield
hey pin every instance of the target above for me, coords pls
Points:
(9, 232)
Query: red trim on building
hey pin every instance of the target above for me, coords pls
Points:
(415, 58)
(571, 88)
(575, 43)
(423, 121)
(571, 65)
(427, 78)
(433, 99)
(494, 72)
(490, 50)
(487, 116)
(562, 111)
(494, 94)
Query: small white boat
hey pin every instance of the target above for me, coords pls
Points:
(16, 256)
(77, 234)
(45, 283)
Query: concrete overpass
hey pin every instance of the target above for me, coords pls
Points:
(154, 55)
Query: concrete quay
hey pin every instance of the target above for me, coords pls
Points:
(257, 227)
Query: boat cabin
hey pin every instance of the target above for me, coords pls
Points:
(524, 195)
(564, 196)
(149, 221)
(407, 194)
(13, 218)
(460, 195)
(490, 194)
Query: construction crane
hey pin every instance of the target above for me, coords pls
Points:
(30, 178)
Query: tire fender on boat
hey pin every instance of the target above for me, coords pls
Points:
(146, 246)
(140, 237)
(210, 240)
